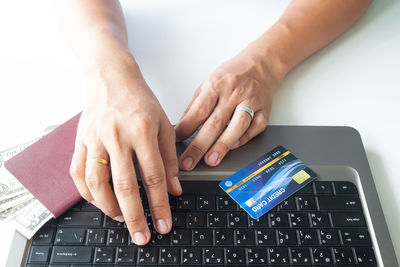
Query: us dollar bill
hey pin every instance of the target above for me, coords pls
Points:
(30, 221)
(9, 185)
(15, 200)
(8, 214)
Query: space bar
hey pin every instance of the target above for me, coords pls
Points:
(65, 254)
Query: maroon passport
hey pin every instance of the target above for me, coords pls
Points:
(43, 168)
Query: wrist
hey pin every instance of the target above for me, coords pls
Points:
(114, 74)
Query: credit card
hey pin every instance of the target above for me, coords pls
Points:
(267, 181)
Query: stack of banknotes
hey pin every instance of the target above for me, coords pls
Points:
(17, 205)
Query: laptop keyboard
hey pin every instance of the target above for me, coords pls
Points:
(322, 224)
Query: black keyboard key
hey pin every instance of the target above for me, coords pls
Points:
(308, 237)
(288, 204)
(69, 236)
(306, 203)
(126, 255)
(44, 236)
(353, 219)
(261, 222)
(216, 219)
(191, 256)
(147, 255)
(213, 255)
(196, 219)
(206, 202)
(186, 202)
(75, 218)
(320, 219)
(226, 203)
(71, 254)
(181, 237)
(86, 206)
(345, 188)
(235, 256)
(158, 239)
(322, 255)
(343, 255)
(104, 255)
(202, 237)
(237, 219)
(265, 237)
(178, 219)
(278, 255)
(279, 219)
(169, 255)
(300, 256)
(257, 256)
(323, 188)
(39, 254)
(364, 255)
(329, 237)
(110, 223)
(355, 237)
(345, 203)
(244, 237)
(117, 237)
(172, 202)
(223, 237)
(96, 236)
(287, 237)
(299, 220)
(307, 190)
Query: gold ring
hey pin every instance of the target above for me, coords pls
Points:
(97, 160)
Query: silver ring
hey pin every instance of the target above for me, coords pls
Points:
(246, 109)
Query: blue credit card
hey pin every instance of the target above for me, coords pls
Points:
(267, 181)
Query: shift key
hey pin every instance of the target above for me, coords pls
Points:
(81, 219)
(71, 254)
(348, 203)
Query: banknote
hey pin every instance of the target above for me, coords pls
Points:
(9, 185)
(15, 200)
(8, 214)
(30, 221)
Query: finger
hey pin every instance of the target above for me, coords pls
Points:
(77, 171)
(127, 192)
(207, 135)
(153, 176)
(97, 178)
(257, 126)
(166, 141)
(239, 123)
(196, 115)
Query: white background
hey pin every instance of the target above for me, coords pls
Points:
(355, 81)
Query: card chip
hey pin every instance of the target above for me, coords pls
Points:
(301, 176)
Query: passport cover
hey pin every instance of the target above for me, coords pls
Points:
(43, 168)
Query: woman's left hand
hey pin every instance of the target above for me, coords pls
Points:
(246, 80)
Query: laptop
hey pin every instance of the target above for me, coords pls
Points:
(336, 220)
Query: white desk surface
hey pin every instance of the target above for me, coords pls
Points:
(355, 81)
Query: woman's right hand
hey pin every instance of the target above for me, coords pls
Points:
(122, 122)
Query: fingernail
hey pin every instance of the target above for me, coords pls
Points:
(162, 226)
(139, 238)
(94, 203)
(213, 157)
(187, 163)
(119, 218)
(235, 145)
(177, 185)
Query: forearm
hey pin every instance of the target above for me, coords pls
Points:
(305, 27)
(96, 32)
